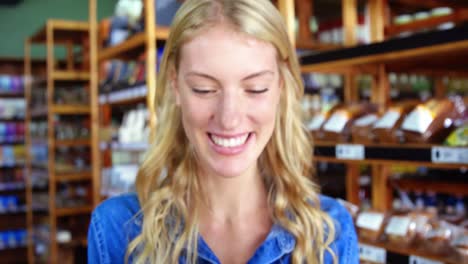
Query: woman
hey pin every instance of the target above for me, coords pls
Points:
(228, 178)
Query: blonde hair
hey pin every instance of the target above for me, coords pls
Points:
(167, 179)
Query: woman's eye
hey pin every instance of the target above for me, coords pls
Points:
(257, 91)
(202, 91)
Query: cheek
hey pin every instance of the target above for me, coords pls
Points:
(264, 111)
(195, 114)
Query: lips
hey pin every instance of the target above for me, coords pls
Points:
(230, 145)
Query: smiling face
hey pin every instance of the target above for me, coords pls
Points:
(228, 88)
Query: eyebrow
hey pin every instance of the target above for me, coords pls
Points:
(251, 76)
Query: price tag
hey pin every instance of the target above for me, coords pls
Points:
(102, 99)
(449, 155)
(350, 151)
(419, 260)
(372, 254)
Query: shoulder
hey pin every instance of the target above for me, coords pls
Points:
(345, 245)
(123, 206)
(114, 224)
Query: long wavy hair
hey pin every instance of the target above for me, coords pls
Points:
(167, 184)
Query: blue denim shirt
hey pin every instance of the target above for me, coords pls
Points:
(113, 226)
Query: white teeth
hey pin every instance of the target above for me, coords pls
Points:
(229, 142)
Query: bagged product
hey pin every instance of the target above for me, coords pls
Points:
(337, 128)
(432, 121)
(361, 131)
(370, 225)
(387, 128)
(403, 229)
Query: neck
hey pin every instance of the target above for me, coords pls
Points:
(228, 199)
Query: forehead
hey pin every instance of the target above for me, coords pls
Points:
(221, 48)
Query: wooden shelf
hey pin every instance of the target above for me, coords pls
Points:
(434, 50)
(453, 188)
(310, 45)
(70, 76)
(70, 109)
(132, 47)
(131, 147)
(62, 212)
(11, 95)
(409, 251)
(68, 177)
(75, 36)
(431, 22)
(73, 143)
(64, 31)
(389, 154)
(39, 112)
(132, 95)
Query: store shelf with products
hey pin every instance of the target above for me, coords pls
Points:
(127, 87)
(59, 137)
(405, 76)
(132, 47)
(379, 252)
(416, 154)
(12, 155)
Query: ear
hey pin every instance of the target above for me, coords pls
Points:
(175, 85)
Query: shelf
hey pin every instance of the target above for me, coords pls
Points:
(68, 177)
(457, 17)
(73, 143)
(132, 47)
(132, 95)
(11, 119)
(70, 76)
(12, 186)
(40, 165)
(11, 165)
(62, 212)
(39, 141)
(64, 31)
(11, 95)
(313, 45)
(39, 112)
(445, 50)
(19, 210)
(408, 251)
(10, 143)
(411, 184)
(131, 147)
(411, 154)
(70, 109)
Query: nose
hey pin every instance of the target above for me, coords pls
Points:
(229, 114)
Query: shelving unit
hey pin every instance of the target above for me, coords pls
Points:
(12, 218)
(134, 94)
(436, 54)
(78, 177)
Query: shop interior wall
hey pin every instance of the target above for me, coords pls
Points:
(24, 19)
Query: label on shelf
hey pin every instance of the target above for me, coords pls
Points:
(336, 122)
(420, 260)
(388, 120)
(102, 99)
(449, 155)
(369, 220)
(398, 225)
(350, 151)
(372, 254)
